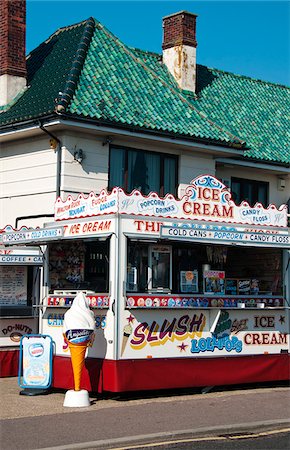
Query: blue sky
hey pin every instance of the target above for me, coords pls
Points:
(246, 37)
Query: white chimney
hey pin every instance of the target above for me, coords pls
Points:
(179, 48)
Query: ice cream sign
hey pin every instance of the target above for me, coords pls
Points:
(206, 198)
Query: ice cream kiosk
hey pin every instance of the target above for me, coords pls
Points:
(185, 292)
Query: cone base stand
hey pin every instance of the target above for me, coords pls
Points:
(76, 399)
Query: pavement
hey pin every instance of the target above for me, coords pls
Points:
(41, 422)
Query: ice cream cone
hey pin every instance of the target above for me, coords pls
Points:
(78, 353)
(124, 342)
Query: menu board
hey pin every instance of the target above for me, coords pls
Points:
(13, 285)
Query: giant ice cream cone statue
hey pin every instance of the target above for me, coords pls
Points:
(78, 327)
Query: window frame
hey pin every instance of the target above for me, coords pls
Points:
(162, 157)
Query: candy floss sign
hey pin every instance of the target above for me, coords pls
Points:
(82, 206)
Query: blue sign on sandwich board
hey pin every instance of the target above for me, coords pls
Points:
(35, 363)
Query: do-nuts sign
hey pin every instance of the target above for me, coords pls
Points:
(206, 199)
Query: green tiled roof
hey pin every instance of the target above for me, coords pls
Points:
(85, 71)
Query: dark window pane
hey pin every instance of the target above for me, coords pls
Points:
(251, 191)
(117, 167)
(169, 175)
(142, 170)
(262, 194)
(152, 173)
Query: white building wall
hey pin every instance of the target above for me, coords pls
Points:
(27, 180)
(92, 173)
(191, 166)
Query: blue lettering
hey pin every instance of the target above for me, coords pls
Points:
(209, 344)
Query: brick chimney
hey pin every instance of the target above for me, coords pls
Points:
(179, 48)
(12, 49)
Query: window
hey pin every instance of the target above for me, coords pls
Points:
(80, 265)
(159, 269)
(142, 170)
(185, 267)
(249, 190)
(19, 289)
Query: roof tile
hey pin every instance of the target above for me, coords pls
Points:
(104, 79)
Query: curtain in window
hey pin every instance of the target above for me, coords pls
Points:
(143, 171)
(117, 167)
(169, 175)
(153, 173)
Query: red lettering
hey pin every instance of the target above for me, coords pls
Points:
(216, 211)
(196, 208)
(206, 210)
(75, 229)
(255, 339)
(150, 226)
(107, 225)
(265, 338)
(228, 211)
(283, 338)
(186, 207)
(215, 195)
(138, 224)
(274, 340)
(205, 195)
(199, 193)
(247, 338)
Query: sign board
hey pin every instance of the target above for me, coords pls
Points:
(35, 361)
(20, 256)
(13, 285)
(93, 205)
(226, 235)
(202, 333)
(13, 328)
(206, 199)
(37, 235)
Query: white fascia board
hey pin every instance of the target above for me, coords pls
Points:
(60, 124)
(146, 136)
(19, 133)
(255, 165)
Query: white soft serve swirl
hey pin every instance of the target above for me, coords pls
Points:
(79, 316)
